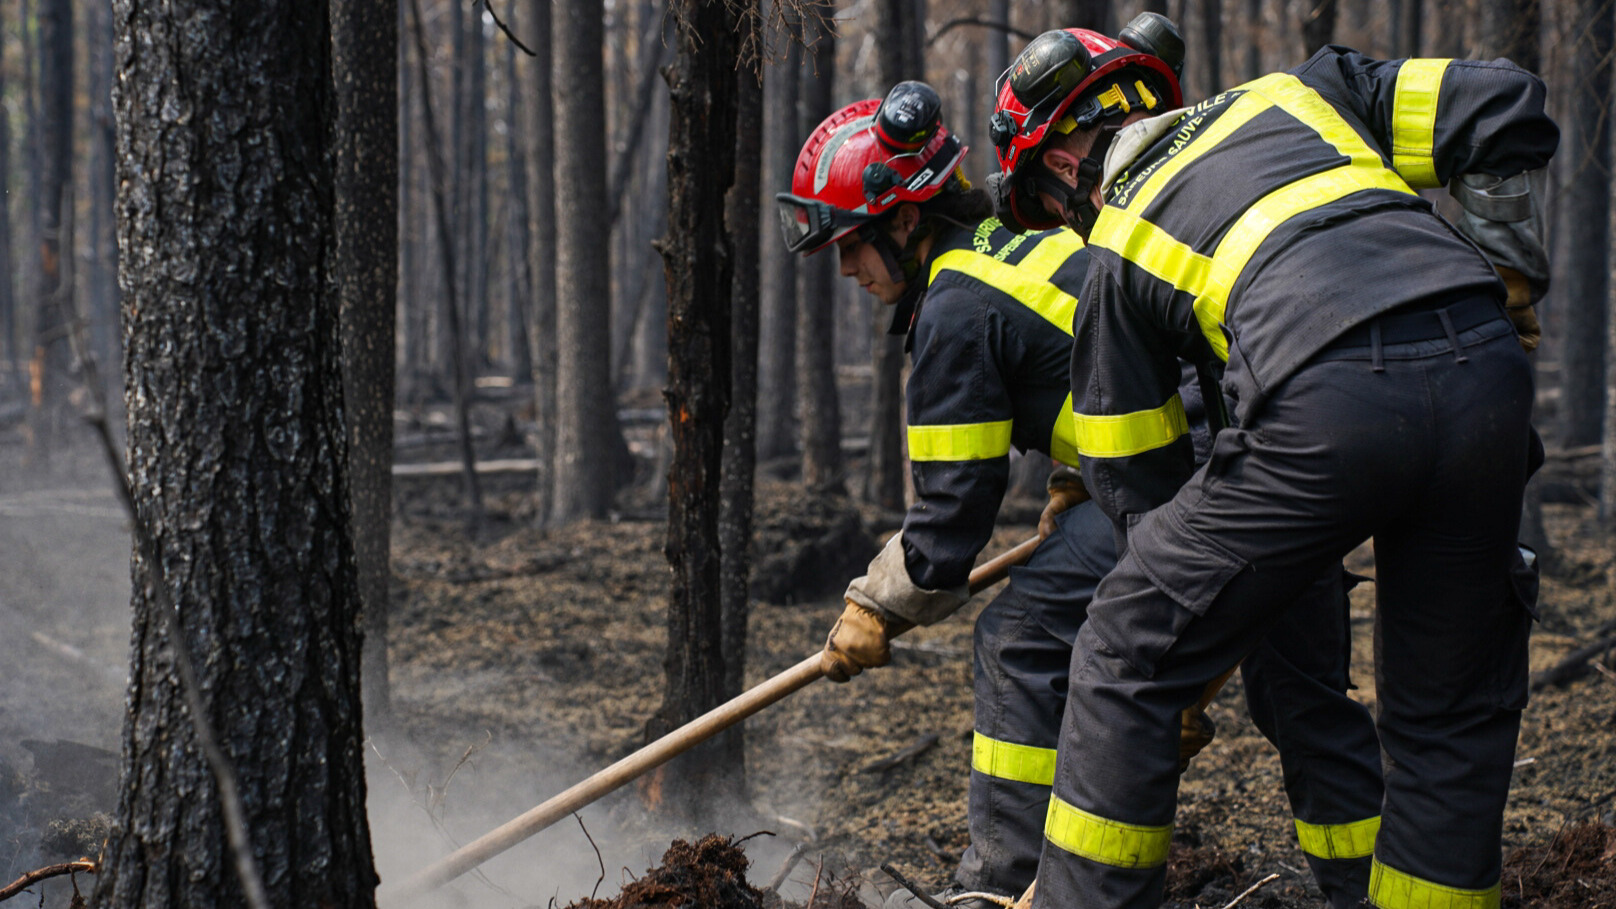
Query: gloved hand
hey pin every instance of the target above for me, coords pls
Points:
(1195, 731)
(1519, 308)
(1500, 215)
(860, 640)
(1066, 490)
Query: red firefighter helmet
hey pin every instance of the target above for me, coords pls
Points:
(1070, 79)
(864, 160)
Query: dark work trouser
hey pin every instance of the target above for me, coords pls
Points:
(1296, 691)
(1022, 656)
(1422, 446)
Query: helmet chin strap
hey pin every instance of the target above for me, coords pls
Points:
(903, 268)
(1077, 201)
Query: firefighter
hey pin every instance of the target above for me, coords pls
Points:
(988, 316)
(1377, 388)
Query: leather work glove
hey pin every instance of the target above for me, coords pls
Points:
(1066, 490)
(1195, 731)
(860, 640)
(1519, 308)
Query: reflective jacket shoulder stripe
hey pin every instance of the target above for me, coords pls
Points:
(959, 442)
(1393, 889)
(1010, 761)
(1024, 284)
(1106, 841)
(1124, 435)
(1241, 112)
(1414, 104)
(1339, 841)
(1241, 241)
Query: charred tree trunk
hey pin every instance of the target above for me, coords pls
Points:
(237, 445)
(697, 260)
(1318, 25)
(777, 356)
(364, 43)
(740, 427)
(542, 255)
(1090, 14)
(50, 372)
(517, 314)
(1208, 46)
(1406, 18)
(103, 266)
(8, 287)
(475, 221)
(587, 436)
(816, 310)
(1251, 66)
(898, 58)
(1584, 247)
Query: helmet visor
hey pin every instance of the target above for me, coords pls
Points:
(809, 224)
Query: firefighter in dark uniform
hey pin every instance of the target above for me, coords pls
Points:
(988, 314)
(1377, 388)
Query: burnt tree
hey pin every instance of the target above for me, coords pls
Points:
(8, 298)
(237, 453)
(1583, 254)
(777, 356)
(1318, 26)
(540, 127)
(816, 312)
(364, 46)
(587, 435)
(49, 370)
(697, 259)
(899, 57)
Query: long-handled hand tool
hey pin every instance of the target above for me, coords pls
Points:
(658, 752)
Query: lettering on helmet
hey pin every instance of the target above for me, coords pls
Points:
(919, 180)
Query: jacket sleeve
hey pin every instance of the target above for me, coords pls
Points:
(1132, 431)
(1439, 118)
(960, 420)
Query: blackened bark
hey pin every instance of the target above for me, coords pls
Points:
(542, 312)
(1090, 14)
(587, 435)
(103, 264)
(1209, 44)
(740, 428)
(777, 355)
(697, 260)
(475, 220)
(898, 58)
(52, 354)
(1252, 67)
(8, 288)
(1318, 25)
(816, 310)
(364, 46)
(517, 228)
(1406, 17)
(1509, 28)
(1580, 288)
(238, 459)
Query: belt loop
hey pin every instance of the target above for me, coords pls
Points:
(1376, 354)
(1453, 337)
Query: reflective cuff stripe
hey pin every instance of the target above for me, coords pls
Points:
(1009, 761)
(1108, 842)
(964, 442)
(1241, 241)
(1339, 841)
(1128, 434)
(1393, 889)
(1419, 83)
(1063, 440)
(1025, 283)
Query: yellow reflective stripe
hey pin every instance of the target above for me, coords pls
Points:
(1122, 435)
(1153, 249)
(1393, 889)
(1106, 841)
(1339, 841)
(961, 442)
(1026, 286)
(1253, 227)
(1009, 761)
(1063, 440)
(1419, 83)
(1239, 113)
(1309, 107)
(1050, 254)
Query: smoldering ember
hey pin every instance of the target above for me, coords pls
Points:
(807, 454)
